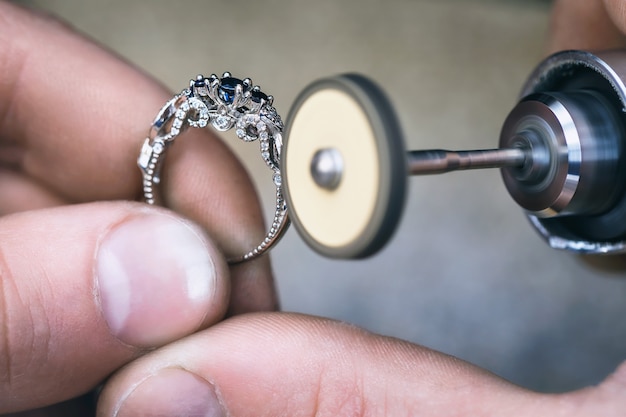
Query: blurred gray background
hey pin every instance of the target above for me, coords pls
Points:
(465, 274)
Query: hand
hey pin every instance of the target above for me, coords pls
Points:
(276, 364)
(88, 287)
(587, 25)
(263, 364)
(291, 365)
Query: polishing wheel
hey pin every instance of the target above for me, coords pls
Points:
(344, 167)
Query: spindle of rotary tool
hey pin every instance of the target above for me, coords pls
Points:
(439, 161)
(561, 154)
(327, 165)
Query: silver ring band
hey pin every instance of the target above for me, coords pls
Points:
(224, 103)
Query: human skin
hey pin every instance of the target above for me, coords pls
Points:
(67, 186)
(68, 177)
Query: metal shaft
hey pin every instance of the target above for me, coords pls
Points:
(438, 161)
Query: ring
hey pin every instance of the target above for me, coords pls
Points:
(224, 103)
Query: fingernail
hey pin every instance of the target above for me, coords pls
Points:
(172, 392)
(154, 278)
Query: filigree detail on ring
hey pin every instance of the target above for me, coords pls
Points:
(224, 103)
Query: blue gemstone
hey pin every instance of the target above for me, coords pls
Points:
(258, 96)
(199, 88)
(227, 89)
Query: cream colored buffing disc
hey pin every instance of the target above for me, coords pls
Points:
(351, 116)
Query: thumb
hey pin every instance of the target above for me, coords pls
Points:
(288, 365)
(86, 288)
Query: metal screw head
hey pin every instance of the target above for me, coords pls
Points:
(327, 168)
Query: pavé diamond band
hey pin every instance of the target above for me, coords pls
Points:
(224, 103)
